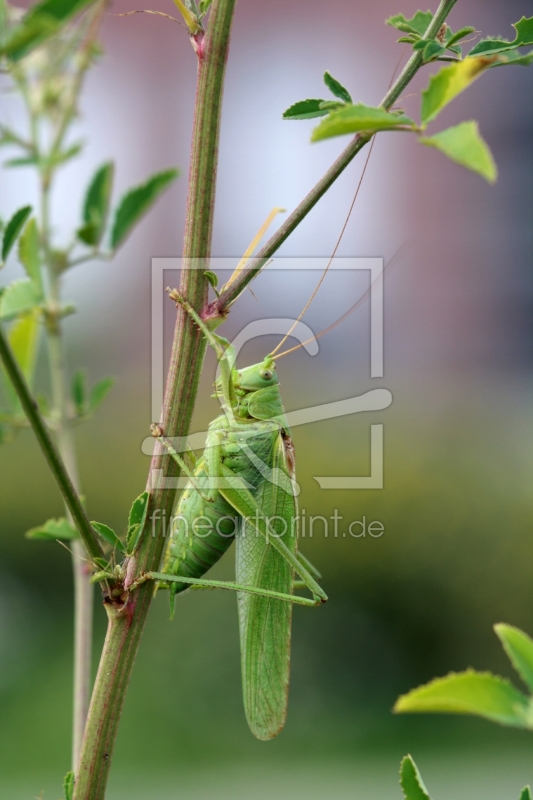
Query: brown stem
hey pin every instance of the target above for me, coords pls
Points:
(128, 614)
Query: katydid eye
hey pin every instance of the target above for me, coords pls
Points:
(265, 374)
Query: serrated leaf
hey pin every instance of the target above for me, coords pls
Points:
(464, 145)
(78, 391)
(519, 649)
(526, 793)
(108, 535)
(513, 57)
(29, 252)
(136, 203)
(53, 529)
(329, 105)
(337, 88)
(359, 117)
(305, 109)
(99, 392)
(458, 35)
(479, 693)
(419, 23)
(96, 205)
(138, 509)
(411, 781)
(68, 786)
(491, 46)
(13, 229)
(448, 83)
(19, 297)
(136, 520)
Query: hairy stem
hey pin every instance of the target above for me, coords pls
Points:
(126, 621)
(222, 303)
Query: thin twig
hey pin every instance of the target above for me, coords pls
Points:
(221, 305)
(55, 462)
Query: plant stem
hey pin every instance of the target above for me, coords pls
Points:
(221, 305)
(126, 621)
(55, 462)
(83, 590)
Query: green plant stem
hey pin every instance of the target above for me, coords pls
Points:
(127, 619)
(55, 462)
(83, 590)
(222, 303)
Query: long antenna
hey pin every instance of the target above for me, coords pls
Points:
(350, 310)
(319, 284)
(346, 221)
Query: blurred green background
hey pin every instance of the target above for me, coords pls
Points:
(455, 556)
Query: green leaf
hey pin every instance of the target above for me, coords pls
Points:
(329, 105)
(470, 692)
(53, 529)
(19, 297)
(526, 793)
(524, 36)
(13, 228)
(68, 786)
(419, 23)
(136, 202)
(448, 83)
(519, 649)
(138, 509)
(108, 535)
(96, 205)
(212, 278)
(411, 781)
(464, 145)
(433, 50)
(411, 38)
(26, 161)
(78, 391)
(41, 22)
(514, 57)
(305, 109)
(337, 88)
(29, 252)
(101, 576)
(23, 338)
(460, 34)
(98, 393)
(203, 6)
(359, 117)
(136, 520)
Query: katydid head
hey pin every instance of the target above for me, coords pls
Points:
(258, 376)
(255, 390)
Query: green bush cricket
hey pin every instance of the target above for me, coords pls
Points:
(243, 488)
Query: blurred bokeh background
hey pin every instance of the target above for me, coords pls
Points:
(456, 553)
